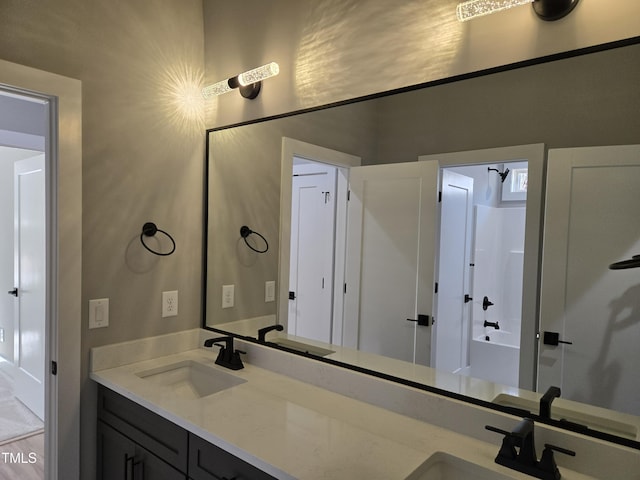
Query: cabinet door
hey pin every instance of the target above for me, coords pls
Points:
(115, 454)
(208, 462)
(119, 458)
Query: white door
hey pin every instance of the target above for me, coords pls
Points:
(312, 252)
(592, 221)
(390, 259)
(30, 282)
(451, 332)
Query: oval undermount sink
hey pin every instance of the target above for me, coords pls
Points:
(443, 466)
(191, 379)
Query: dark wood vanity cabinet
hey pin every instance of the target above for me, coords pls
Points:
(137, 444)
(208, 462)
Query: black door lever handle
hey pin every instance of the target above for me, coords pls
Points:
(423, 320)
(13, 292)
(553, 338)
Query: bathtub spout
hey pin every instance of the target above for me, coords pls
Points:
(492, 324)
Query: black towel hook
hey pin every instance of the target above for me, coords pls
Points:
(149, 229)
(246, 231)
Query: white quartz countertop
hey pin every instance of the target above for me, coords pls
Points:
(293, 430)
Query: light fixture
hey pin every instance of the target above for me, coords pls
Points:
(248, 83)
(545, 9)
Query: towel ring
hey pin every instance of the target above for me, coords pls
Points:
(246, 231)
(149, 229)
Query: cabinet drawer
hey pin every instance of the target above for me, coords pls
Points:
(208, 462)
(153, 432)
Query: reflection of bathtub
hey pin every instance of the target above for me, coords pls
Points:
(497, 359)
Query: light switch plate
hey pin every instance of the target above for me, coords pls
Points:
(228, 294)
(270, 291)
(99, 313)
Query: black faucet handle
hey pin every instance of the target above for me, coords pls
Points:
(565, 451)
(547, 463)
(507, 449)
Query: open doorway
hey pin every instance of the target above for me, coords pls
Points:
(23, 267)
(481, 267)
(317, 178)
(63, 199)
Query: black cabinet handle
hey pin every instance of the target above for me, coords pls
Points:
(467, 298)
(128, 467)
(13, 292)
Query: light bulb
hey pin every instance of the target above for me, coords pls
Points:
(258, 74)
(216, 89)
(477, 8)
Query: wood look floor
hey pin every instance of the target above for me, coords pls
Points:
(23, 450)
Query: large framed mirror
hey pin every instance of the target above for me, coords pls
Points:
(374, 218)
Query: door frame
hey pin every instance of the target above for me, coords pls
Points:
(296, 148)
(63, 152)
(536, 155)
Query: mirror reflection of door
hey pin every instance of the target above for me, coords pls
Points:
(453, 328)
(592, 221)
(313, 219)
(390, 261)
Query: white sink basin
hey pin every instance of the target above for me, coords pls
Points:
(592, 417)
(191, 379)
(442, 466)
(302, 347)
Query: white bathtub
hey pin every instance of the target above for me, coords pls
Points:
(496, 359)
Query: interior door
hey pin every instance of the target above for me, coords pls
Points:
(452, 331)
(582, 300)
(390, 259)
(312, 251)
(30, 282)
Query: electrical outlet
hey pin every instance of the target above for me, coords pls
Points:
(228, 294)
(270, 291)
(99, 313)
(170, 303)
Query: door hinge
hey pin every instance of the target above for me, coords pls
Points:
(54, 368)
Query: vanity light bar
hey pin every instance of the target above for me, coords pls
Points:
(478, 8)
(248, 82)
(548, 10)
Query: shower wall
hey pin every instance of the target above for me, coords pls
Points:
(497, 272)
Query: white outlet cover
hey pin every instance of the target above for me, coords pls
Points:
(170, 303)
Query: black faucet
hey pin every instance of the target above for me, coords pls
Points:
(524, 459)
(227, 357)
(545, 402)
(492, 324)
(262, 333)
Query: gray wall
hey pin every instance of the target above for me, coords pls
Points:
(332, 50)
(141, 67)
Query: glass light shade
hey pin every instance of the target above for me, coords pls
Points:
(258, 74)
(477, 8)
(216, 89)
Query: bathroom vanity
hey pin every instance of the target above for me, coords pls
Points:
(167, 411)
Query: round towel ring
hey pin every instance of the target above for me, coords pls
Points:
(246, 231)
(149, 229)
